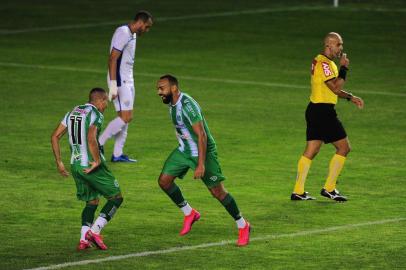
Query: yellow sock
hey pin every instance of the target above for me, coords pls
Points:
(336, 165)
(302, 169)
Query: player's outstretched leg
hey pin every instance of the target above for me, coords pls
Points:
(114, 127)
(230, 205)
(106, 214)
(87, 221)
(166, 182)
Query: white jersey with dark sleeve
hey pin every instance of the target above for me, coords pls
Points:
(125, 42)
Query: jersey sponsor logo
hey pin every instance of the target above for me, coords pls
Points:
(190, 109)
(81, 111)
(326, 69)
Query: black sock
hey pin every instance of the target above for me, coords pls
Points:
(110, 208)
(176, 195)
(231, 206)
(88, 214)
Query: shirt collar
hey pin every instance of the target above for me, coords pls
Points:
(180, 97)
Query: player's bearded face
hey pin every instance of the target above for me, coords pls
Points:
(166, 98)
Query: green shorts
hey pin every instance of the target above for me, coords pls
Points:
(99, 182)
(179, 163)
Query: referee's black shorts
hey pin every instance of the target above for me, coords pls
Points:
(323, 124)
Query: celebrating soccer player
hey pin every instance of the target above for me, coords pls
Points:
(88, 166)
(196, 150)
(323, 125)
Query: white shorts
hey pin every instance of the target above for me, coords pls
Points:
(125, 99)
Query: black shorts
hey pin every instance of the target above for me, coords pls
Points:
(323, 124)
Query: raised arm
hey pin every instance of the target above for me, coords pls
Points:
(336, 85)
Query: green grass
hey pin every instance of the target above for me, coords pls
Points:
(259, 129)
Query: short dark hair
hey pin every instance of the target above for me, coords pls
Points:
(143, 15)
(96, 93)
(172, 79)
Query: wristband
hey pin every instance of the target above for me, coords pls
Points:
(112, 89)
(343, 72)
(349, 97)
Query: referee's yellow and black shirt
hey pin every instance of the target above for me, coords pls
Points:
(323, 70)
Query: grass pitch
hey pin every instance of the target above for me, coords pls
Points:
(248, 66)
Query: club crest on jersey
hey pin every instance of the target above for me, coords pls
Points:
(326, 69)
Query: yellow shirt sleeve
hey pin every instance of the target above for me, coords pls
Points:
(323, 69)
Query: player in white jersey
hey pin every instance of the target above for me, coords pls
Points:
(120, 80)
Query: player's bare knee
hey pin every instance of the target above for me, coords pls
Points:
(218, 193)
(344, 151)
(126, 118)
(310, 154)
(164, 183)
(93, 202)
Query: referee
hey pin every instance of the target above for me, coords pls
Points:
(323, 126)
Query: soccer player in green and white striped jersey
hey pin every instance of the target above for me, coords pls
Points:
(88, 167)
(196, 150)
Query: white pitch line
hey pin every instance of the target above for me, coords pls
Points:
(220, 243)
(192, 78)
(159, 19)
(188, 17)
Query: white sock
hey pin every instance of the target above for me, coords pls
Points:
(120, 139)
(186, 209)
(98, 225)
(114, 127)
(241, 223)
(83, 232)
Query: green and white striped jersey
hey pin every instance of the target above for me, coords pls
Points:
(185, 113)
(78, 122)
